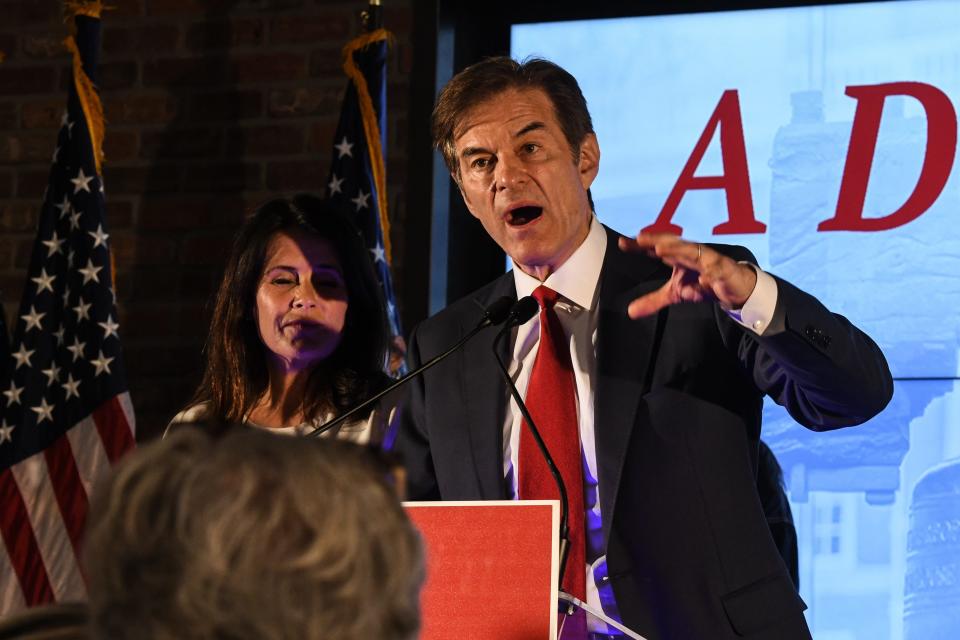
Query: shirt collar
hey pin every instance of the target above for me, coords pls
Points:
(577, 278)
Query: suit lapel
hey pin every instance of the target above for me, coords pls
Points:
(485, 395)
(625, 352)
(624, 367)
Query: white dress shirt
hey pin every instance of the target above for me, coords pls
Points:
(578, 283)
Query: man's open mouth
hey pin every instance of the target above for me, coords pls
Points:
(523, 215)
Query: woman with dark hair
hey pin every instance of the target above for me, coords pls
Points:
(299, 331)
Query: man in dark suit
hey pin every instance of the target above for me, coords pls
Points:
(661, 351)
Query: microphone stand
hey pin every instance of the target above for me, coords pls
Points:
(512, 321)
(494, 314)
(522, 311)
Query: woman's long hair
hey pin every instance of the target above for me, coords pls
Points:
(236, 374)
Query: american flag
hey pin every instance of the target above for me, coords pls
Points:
(66, 414)
(357, 180)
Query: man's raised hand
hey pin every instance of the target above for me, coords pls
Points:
(699, 274)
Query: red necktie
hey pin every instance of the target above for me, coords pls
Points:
(551, 400)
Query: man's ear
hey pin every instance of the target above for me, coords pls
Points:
(589, 162)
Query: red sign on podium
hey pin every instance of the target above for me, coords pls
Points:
(491, 569)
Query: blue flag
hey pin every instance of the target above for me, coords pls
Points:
(357, 180)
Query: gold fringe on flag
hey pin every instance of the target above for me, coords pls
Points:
(370, 127)
(87, 93)
(89, 102)
(89, 8)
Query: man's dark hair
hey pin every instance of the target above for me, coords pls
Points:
(493, 76)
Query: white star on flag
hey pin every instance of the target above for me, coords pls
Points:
(361, 200)
(82, 310)
(81, 182)
(345, 148)
(59, 334)
(70, 386)
(101, 364)
(33, 319)
(109, 328)
(76, 348)
(13, 394)
(378, 254)
(64, 207)
(22, 356)
(66, 295)
(99, 237)
(53, 373)
(334, 184)
(6, 432)
(44, 411)
(90, 272)
(44, 281)
(75, 220)
(54, 244)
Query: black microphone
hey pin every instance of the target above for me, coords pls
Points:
(494, 314)
(522, 311)
(498, 311)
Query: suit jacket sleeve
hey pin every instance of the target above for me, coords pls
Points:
(412, 442)
(822, 369)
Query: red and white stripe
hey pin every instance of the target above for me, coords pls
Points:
(43, 508)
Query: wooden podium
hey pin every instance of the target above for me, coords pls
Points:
(491, 569)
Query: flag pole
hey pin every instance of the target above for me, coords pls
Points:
(372, 17)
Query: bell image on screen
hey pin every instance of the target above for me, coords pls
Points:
(824, 139)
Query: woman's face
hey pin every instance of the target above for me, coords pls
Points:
(301, 300)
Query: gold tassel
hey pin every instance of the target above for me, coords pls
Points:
(370, 127)
(88, 96)
(89, 102)
(89, 8)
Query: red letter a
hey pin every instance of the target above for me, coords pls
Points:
(735, 179)
(937, 159)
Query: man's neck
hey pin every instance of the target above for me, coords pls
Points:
(542, 271)
(578, 277)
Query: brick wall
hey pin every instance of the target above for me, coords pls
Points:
(211, 106)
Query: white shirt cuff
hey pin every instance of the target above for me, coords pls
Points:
(757, 311)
